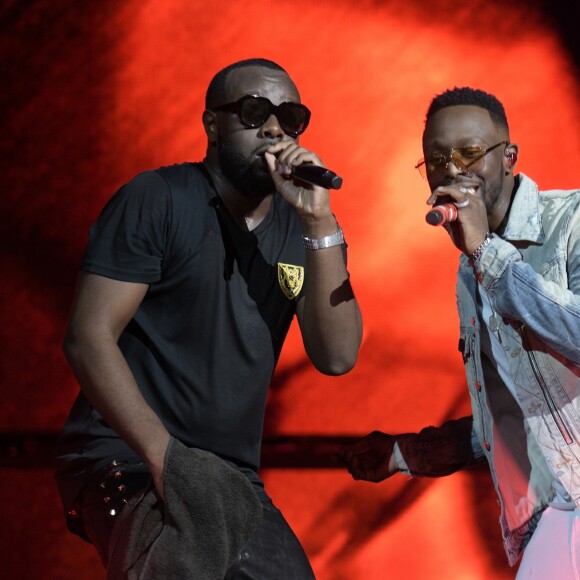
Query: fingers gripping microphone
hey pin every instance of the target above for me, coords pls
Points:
(441, 214)
(317, 176)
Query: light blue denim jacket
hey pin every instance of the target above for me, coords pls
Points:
(532, 277)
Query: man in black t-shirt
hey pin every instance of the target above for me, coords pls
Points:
(190, 281)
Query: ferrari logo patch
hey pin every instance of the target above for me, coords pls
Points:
(290, 279)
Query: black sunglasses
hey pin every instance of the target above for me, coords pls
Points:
(254, 111)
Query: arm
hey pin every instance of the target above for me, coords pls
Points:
(516, 291)
(101, 310)
(328, 313)
(550, 309)
(433, 452)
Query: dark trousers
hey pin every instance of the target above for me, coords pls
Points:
(273, 552)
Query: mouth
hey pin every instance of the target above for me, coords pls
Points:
(259, 152)
(260, 163)
(468, 187)
(260, 160)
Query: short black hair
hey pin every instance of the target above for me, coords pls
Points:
(217, 86)
(473, 97)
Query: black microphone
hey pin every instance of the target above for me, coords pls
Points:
(317, 176)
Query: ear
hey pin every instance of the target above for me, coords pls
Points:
(209, 121)
(510, 157)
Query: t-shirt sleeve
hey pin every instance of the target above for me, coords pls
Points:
(128, 240)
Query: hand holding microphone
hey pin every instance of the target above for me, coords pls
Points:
(317, 175)
(441, 214)
(446, 213)
(307, 171)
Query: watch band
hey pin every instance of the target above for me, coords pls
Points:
(334, 239)
(479, 250)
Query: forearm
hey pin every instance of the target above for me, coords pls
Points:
(330, 318)
(549, 310)
(108, 383)
(433, 452)
(438, 451)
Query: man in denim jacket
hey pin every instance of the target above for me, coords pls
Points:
(518, 297)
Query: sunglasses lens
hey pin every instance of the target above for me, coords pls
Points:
(468, 154)
(434, 166)
(293, 117)
(460, 161)
(254, 111)
(469, 159)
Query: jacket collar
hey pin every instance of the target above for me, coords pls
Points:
(525, 220)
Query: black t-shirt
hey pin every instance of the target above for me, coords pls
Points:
(205, 340)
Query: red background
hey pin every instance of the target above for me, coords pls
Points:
(93, 92)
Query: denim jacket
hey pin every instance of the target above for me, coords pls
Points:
(532, 277)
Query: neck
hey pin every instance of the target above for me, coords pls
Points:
(248, 212)
(498, 221)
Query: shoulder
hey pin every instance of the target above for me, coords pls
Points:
(184, 177)
(569, 197)
(147, 185)
(167, 187)
(561, 206)
(551, 202)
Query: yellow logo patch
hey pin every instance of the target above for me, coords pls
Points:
(291, 279)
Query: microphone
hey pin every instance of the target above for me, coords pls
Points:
(441, 214)
(316, 175)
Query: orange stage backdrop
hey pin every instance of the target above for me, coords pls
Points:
(96, 91)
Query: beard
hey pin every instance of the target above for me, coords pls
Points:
(493, 195)
(252, 180)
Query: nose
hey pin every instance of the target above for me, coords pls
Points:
(455, 167)
(271, 127)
